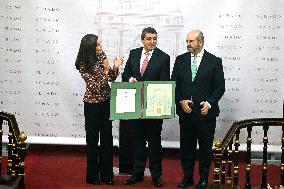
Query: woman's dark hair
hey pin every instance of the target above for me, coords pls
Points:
(87, 52)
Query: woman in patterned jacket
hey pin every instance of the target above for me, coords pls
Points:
(94, 68)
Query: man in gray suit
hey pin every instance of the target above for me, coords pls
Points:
(200, 84)
(147, 63)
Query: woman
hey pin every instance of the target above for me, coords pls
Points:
(94, 68)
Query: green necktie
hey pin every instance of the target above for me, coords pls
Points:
(193, 68)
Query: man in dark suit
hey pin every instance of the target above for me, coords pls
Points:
(200, 84)
(147, 63)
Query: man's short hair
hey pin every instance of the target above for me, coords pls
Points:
(200, 36)
(147, 30)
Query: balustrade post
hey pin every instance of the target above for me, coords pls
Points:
(10, 151)
(264, 157)
(217, 160)
(229, 179)
(282, 158)
(236, 159)
(248, 159)
(21, 153)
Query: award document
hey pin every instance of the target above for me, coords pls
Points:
(125, 101)
(142, 100)
(158, 100)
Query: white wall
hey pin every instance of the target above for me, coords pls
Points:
(39, 41)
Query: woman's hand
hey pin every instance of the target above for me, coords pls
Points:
(117, 62)
(106, 66)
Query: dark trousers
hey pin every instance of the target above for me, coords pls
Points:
(147, 131)
(98, 128)
(191, 132)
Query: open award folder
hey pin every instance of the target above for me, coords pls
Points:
(142, 100)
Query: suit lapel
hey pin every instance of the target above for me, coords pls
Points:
(201, 65)
(187, 64)
(137, 61)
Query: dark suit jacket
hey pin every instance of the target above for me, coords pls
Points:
(208, 85)
(158, 68)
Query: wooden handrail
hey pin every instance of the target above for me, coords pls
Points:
(16, 148)
(226, 171)
(244, 124)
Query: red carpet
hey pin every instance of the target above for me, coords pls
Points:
(52, 166)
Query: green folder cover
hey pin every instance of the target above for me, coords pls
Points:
(142, 100)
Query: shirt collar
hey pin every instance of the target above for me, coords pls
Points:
(150, 52)
(199, 54)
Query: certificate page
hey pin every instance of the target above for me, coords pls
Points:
(159, 99)
(125, 100)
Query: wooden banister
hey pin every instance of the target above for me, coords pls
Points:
(16, 152)
(225, 157)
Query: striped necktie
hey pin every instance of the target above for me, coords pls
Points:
(145, 63)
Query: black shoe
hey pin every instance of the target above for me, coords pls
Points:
(186, 181)
(94, 182)
(133, 180)
(157, 182)
(202, 184)
(108, 181)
